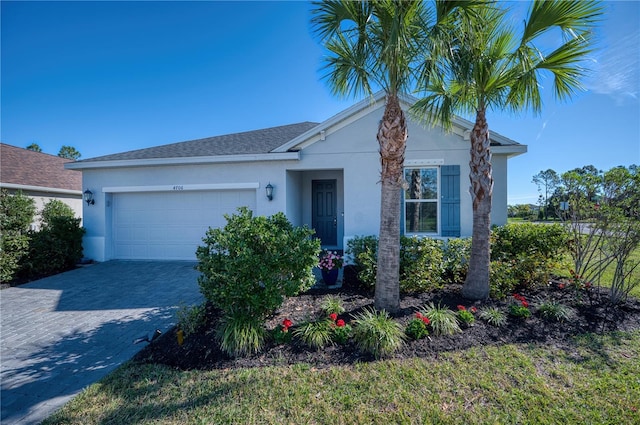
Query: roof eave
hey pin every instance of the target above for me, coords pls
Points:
(150, 162)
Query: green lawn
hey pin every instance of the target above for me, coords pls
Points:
(597, 381)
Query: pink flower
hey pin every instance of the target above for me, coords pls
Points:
(560, 285)
(333, 316)
(461, 308)
(340, 323)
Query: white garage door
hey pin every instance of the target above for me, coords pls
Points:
(170, 225)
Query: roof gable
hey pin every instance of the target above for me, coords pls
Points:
(23, 167)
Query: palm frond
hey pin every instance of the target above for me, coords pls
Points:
(568, 15)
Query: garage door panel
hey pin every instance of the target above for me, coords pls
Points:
(159, 225)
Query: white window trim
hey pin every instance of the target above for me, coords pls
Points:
(419, 165)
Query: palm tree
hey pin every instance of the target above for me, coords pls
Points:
(372, 46)
(491, 67)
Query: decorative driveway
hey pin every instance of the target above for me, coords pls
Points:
(62, 333)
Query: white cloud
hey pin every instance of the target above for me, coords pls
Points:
(617, 70)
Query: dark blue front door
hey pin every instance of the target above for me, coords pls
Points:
(324, 218)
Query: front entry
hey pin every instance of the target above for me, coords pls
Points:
(324, 218)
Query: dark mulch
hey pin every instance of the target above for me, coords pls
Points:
(592, 314)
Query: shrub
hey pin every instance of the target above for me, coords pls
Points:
(513, 240)
(456, 256)
(56, 247)
(443, 320)
(502, 279)
(376, 333)
(16, 215)
(520, 307)
(240, 335)
(53, 209)
(253, 263)
(190, 318)
(315, 334)
(281, 334)
(421, 264)
(364, 251)
(494, 316)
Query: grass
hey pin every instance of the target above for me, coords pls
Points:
(597, 381)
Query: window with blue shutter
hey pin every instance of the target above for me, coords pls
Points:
(450, 200)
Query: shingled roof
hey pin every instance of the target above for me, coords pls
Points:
(249, 142)
(23, 167)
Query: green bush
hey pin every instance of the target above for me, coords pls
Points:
(457, 252)
(249, 266)
(16, 214)
(376, 333)
(53, 209)
(190, 318)
(364, 251)
(546, 241)
(421, 264)
(55, 248)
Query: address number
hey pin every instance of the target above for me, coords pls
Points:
(178, 187)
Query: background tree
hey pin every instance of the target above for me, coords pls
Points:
(491, 67)
(69, 152)
(377, 45)
(547, 182)
(34, 147)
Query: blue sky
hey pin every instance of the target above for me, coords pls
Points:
(108, 77)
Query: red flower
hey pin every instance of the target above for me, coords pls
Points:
(473, 310)
(587, 285)
(425, 320)
(525, 304)
(333, 316)
(418, 315)
(462, 308)
(287, 323)
(560, 285)
(340, 323)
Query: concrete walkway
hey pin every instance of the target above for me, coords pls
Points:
(65, 332)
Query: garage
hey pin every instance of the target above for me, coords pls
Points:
(170, 225)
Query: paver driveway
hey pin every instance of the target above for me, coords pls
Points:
(62, 333)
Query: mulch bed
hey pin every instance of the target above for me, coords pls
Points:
(592, 314)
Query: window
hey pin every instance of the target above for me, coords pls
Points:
(421, 200)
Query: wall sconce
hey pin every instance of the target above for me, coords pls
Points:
(88, 197)
(269, 189)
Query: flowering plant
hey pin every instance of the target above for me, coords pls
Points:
(281, 333)
(417, 327)
(465, 316)
(520, 309)
(330, 260)
(341, 330)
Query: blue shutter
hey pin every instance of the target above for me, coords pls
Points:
(450, 200)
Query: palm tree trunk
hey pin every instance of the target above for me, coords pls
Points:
(476, 285)
(392, 137)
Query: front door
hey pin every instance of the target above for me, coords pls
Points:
(324, 217)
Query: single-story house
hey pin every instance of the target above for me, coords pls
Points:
(158, 202)
(41, 177)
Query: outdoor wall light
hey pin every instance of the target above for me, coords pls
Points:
(88, 197)
(269, 189)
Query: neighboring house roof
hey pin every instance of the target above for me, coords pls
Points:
(275, 143)
(29, 170)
